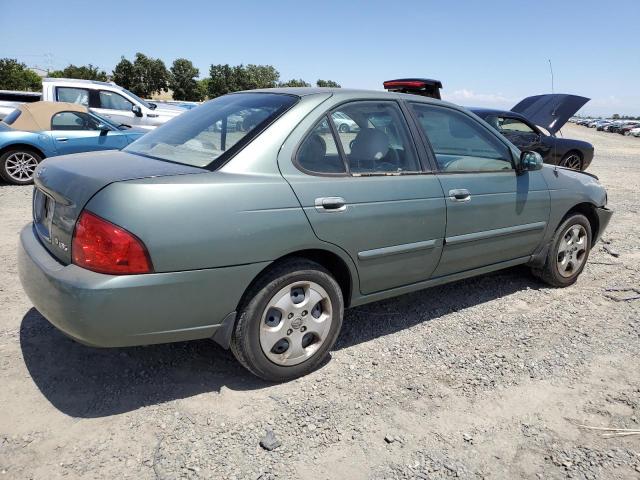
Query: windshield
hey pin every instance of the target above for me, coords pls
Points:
(200, 136)
(105, 121)
(137, 98)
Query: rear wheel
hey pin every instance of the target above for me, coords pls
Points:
(289, 321)
(344, 128)
(568, 253)
(572, 160)
(17, 166)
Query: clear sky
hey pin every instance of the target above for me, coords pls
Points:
(486, 53)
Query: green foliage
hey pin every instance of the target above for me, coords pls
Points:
(183, 81)
(83, 72)
(294, 83)
(616, 116)
(327, 83)
(144, 76)
(16, 76)
(225, 79)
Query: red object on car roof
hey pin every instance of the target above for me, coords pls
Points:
(418, 86)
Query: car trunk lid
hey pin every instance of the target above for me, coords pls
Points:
(550, 111)
(64, 185)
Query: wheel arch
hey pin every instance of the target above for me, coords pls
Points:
(588, 210)
(336, 265)
(26, 146)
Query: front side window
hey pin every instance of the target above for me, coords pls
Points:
(73, 121)
(375, 138)
(114, 101)
(200, 136)
(506, 124)
(73, 95)
(459, 142)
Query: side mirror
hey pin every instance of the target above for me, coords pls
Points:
(137, 110)
(530, 161)
(104, 128)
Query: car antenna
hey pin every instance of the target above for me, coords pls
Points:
(555, 148)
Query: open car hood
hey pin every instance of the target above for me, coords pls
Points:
(550, 111)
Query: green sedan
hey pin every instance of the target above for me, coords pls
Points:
(259, 237)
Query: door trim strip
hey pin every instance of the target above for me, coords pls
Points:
(396, 249)
(498, 232)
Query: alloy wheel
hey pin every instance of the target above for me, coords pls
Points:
(572, 251)
(295, 323)
(573, 161)
(20, 166)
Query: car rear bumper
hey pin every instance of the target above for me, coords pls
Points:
(126, 310)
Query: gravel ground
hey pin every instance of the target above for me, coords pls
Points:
(485, 378)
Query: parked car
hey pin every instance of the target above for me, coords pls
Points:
(261, 239)
(627, 127)
(635, 132)
(344, 124)
(600, 126)
(105, 98)
(35, 131)
(10, 100)
(524, 127)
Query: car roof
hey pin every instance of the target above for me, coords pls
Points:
(348, 93)
(36, 116)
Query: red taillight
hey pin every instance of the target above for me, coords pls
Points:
(103, 247)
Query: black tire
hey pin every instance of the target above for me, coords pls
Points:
(245, 341)
(549, 272)
(4, 165)
(572, 160)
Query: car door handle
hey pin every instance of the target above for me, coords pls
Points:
(330, 204)
(460, 195)
(62, 139)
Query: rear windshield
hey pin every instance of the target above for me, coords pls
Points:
(214, 130)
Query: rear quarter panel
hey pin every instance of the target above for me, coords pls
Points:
(211, 220)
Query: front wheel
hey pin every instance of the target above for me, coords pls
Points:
(572, 160)
(568, 252)
(289, 321)
(344, 128)
(17, 166)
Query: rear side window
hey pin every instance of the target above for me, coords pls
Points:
(375, 138)
(372, 138)
(207, 133)
(73, 95)
(459, 142)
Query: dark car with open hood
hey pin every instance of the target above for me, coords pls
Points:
(531, 125)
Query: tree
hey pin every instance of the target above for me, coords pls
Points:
(616, 116)
(144, 77)
(226, 78)
(84, 72)
(123, 73)
(183, 81)
(294, 83)
(260, 76)
(16, 76)
(327, 83)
